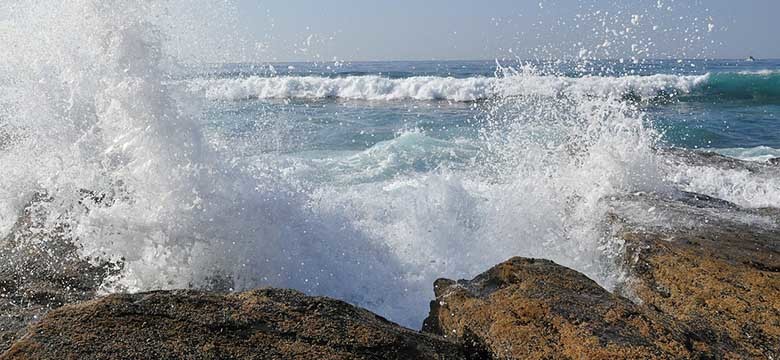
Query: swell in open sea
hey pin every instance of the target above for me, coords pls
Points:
(361, 181)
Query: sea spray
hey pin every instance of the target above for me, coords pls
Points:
(141, 168)
(545, 163)
(96, 118)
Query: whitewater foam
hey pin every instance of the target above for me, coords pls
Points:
(757, 153)
(180, 213)
(376, 88)
(760, 86)
(740, 186)
(760, 72)
(353, 87)
(95, 111)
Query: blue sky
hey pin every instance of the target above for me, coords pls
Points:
(305, 30)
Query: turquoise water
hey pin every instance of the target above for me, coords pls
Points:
(736, 105)
(360, 181)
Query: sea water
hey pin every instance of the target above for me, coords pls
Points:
(363, 181)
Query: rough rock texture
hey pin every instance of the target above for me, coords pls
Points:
(715, 268)
(715, 160)
(41, 270)
(535, 309)
(259, 324)
(704, 283)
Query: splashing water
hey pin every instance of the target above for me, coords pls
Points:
(88, 107)
(96, 117)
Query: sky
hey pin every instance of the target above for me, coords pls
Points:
(351, 30)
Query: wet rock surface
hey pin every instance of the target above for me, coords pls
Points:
(536, 309)
(708, 263)
(47, 290)
(703, 282)
(259, 324)
(40, 271)
(715, 160)
(715, 270)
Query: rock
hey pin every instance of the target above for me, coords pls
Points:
(715, 269)
(697, 158)
(704, 282)
(45, 284)
(40, 270)
(536, 309)
(259, 324)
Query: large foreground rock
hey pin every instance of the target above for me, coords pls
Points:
(704, 283)
(48, 311)
(714, 266)
(535, 309)
(259, 324)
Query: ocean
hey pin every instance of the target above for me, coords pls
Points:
(364, 181)
(726, 106)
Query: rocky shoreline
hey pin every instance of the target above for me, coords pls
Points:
(703, 282)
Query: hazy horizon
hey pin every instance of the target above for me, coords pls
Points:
(438, 30)
(470, 60)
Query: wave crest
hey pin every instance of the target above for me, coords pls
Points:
(758, 86)
(428, 88)
(352, 87)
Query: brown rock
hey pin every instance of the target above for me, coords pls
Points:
(720, 276)
(705, 283)
(535, 309)
(41, 271)
(259, 324)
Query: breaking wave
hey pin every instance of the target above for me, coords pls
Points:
(756, 86)
(376, 88)
(92, 110)
(757, 153)
(760, 86)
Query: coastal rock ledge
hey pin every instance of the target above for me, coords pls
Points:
(520, 309)
(535, 309)
(702, 282)
(259, 324)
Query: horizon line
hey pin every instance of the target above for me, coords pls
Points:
(471, 60)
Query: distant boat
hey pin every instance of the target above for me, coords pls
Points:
(750, 58)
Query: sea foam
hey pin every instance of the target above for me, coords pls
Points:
(376, 88)
(97, 114)
(94, 110)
